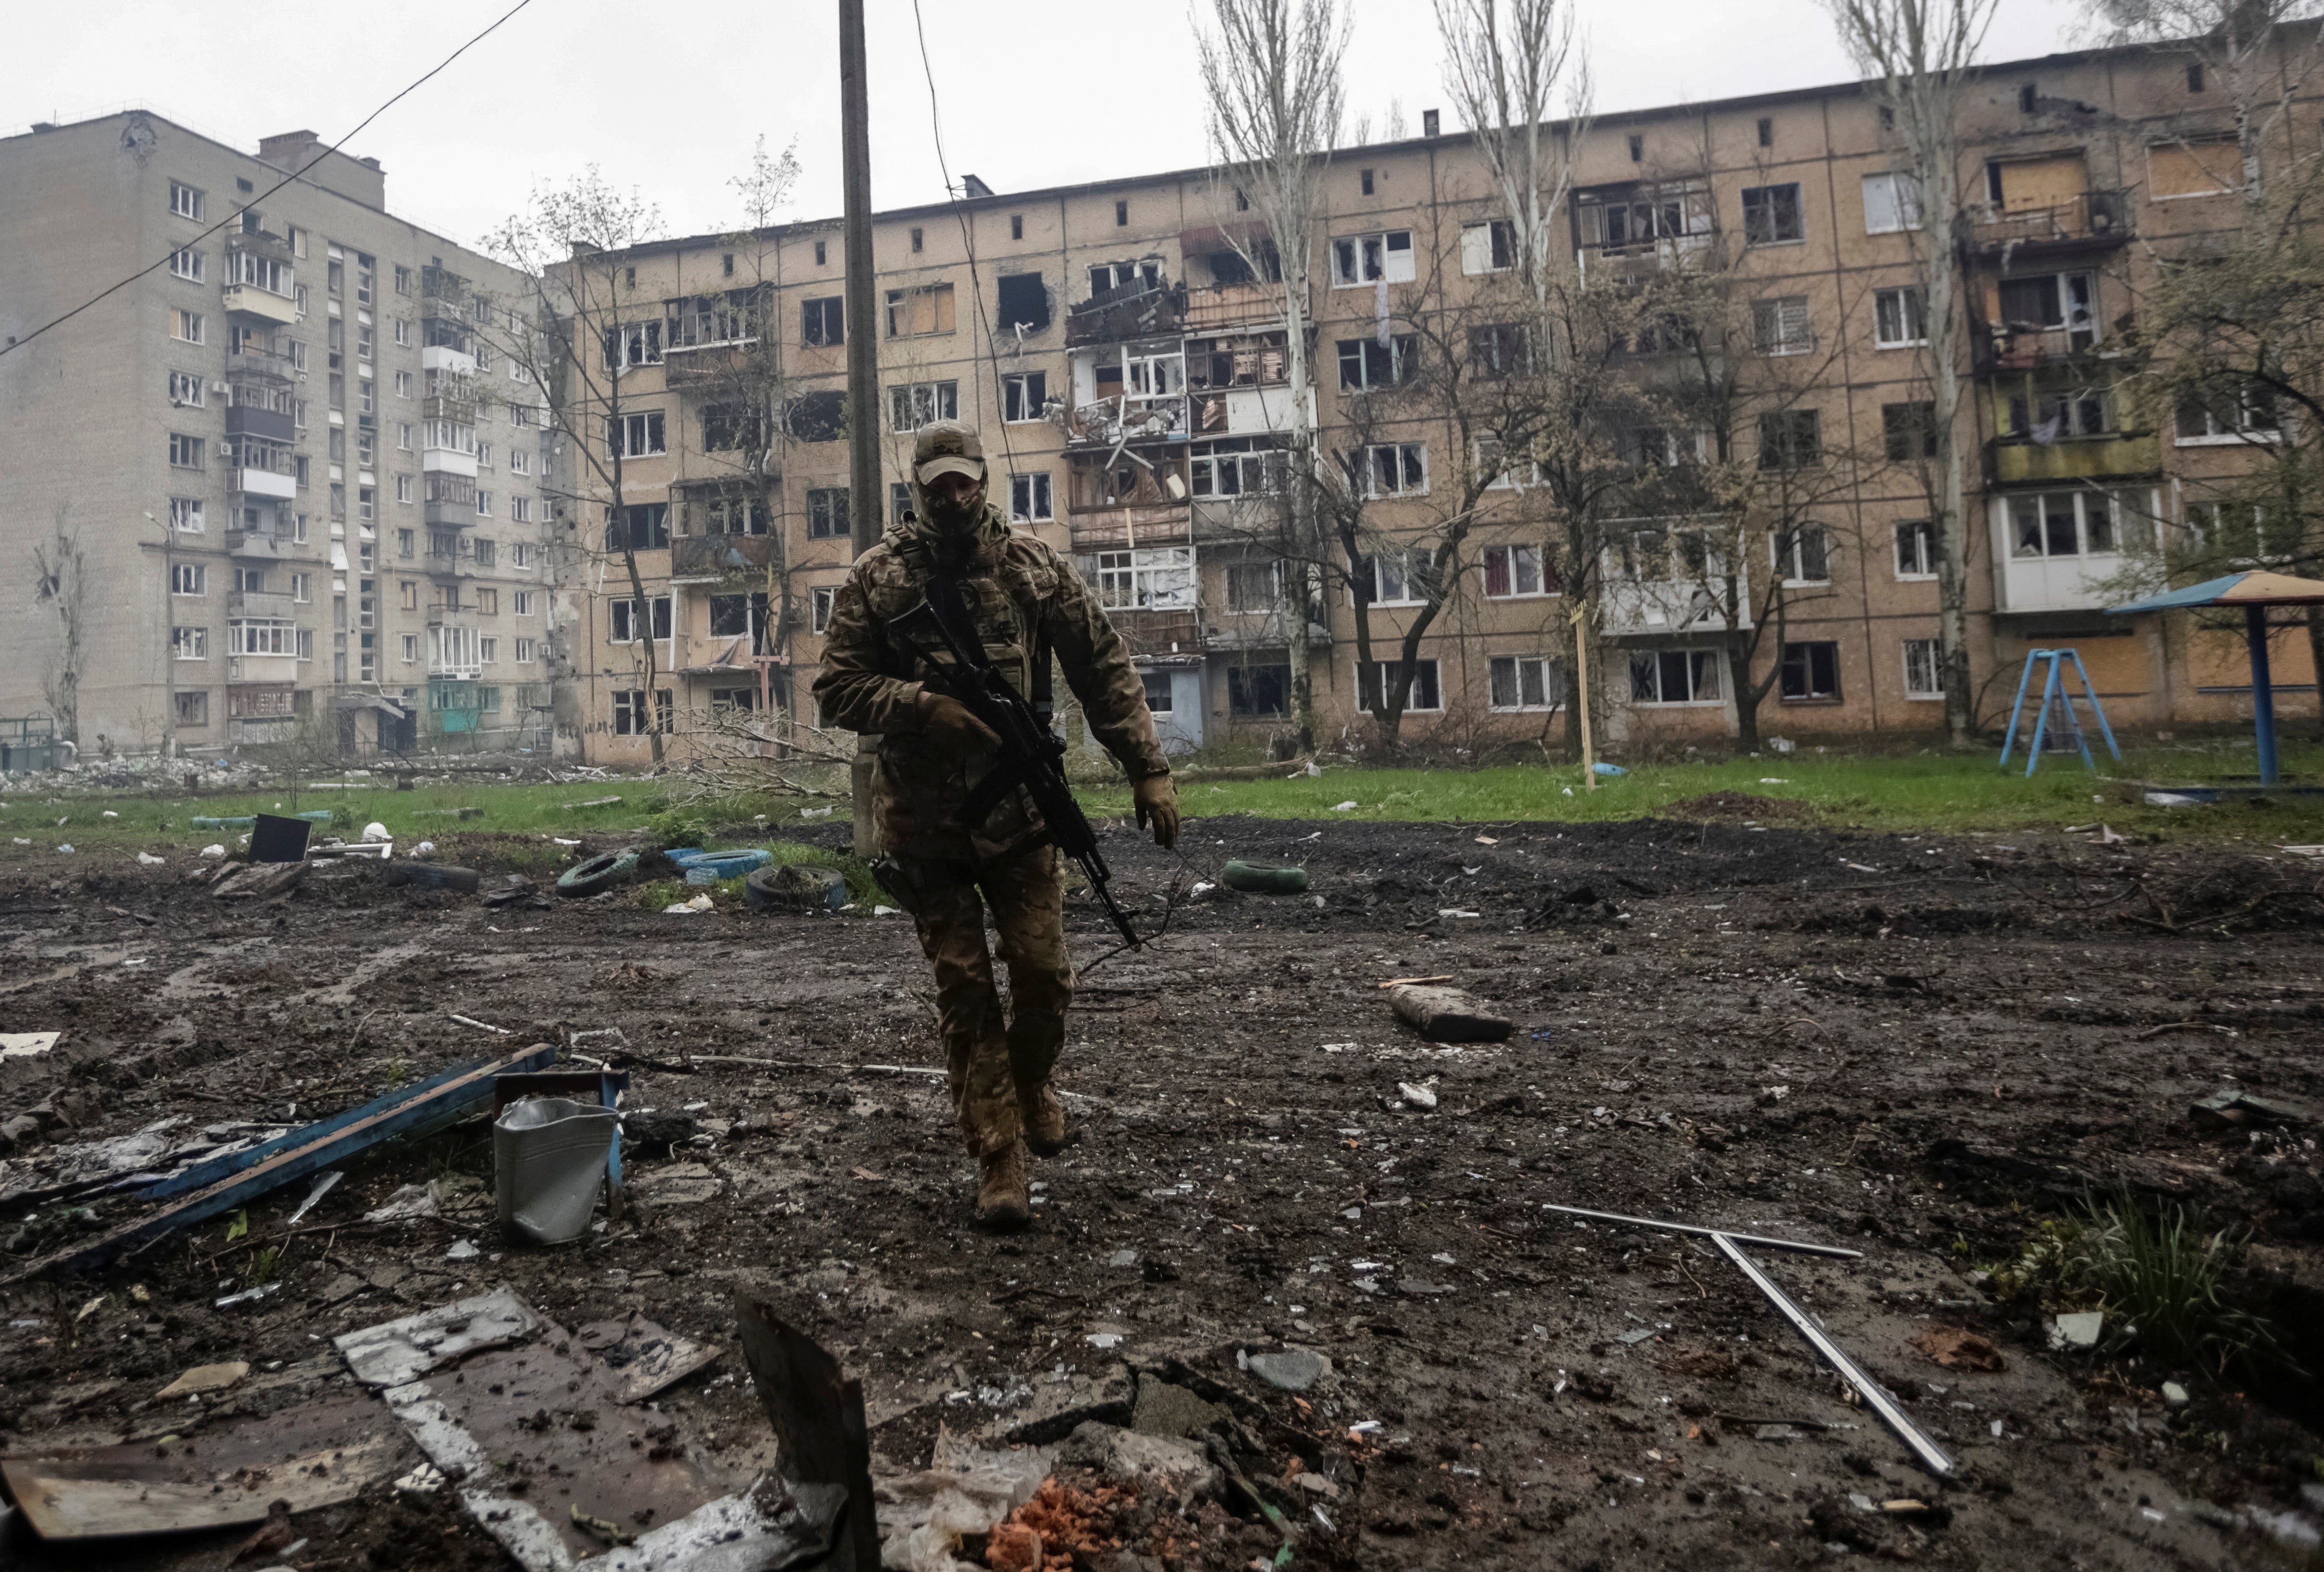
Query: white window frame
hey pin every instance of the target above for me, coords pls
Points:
(1507, 477)
(186, 263)
(187, 201)
(1892, 203)
(1546, 672)
(186, 515)
(820, 599)
(1031, 498)
(1395, 573)
(1483, 240)
(624, 434)
(1516, 555)
(189, 643)
(1147, 579)
(623, 609)
(188, 327)
(524, 650)
(260, 636)
(1926, 550)
(1368, 461)
(912, 405)
(519, 554)
(1792, 564)
(1255, 465)
(488, 649)
(189, 579)
(1357, 259)
(1411, 705)
(186, 389)
(1018, 404)
(2214, 435)
(521, 602)
(181, 446)
(2085, 501)
(1896, 307)
(1935, 671)
(1788, 312)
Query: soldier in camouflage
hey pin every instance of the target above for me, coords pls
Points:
(1027, 604)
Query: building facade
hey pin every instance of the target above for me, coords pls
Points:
(282, 493)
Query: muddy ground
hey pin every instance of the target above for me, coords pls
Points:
(1915, 1046)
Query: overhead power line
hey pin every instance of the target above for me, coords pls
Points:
(163, 260)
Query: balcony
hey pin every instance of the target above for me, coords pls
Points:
(1245, 411)
(448, 569)
(449, 515)
(1175, 631)
(2094, 220)
(260, 545)
(1224, 307)
(255, 480)
(250, 364)
(1996, 346)
(252, 302)
(1118, 529)
(728, 364)
(447, 461)
(262, 669)
(710, 559)
(259, 607)
(453, 359)
(1128, 418)
(2019, 461)
(459, 408)
(1662, 580)
(1136, 310)
(249, 420)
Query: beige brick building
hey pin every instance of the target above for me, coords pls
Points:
(301, 504)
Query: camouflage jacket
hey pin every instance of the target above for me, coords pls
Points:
(1023, 596)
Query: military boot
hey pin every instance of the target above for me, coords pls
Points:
(1003, 1203)
(1044, 1120)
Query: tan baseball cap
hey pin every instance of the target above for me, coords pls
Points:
(947, 447)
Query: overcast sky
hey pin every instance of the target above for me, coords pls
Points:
(670, 98)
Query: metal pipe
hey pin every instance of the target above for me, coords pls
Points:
(1933, 1457)
(1834, 1251)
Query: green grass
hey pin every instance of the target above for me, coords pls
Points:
(1927, 791)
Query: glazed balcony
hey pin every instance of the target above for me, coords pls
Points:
(2020, 461)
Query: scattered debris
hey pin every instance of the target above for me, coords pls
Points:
(1958, 1349)
(2077, 1329)
(1263, 879)
(1291, 1369)
(394, 1353)
(2233, 1108)
(1836, 1252)
(649, 1358)
(551, 1156)
(409, 1201)
(205, 1378)
(816, 1410)
(1419, 1097)
(24, 1045)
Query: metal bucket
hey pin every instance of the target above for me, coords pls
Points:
(550, 1157)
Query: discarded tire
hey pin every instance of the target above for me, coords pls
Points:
(1264, 879)
(597, 874)
(432, 876)
(795, 887)
(721, 864)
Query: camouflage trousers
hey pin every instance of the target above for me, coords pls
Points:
(988, 1055)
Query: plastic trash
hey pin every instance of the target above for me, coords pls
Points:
(1265, 878)
(375, 830)
(147, 859)
(549, 1162)
(422, 849)
(1604, 768)
(215, 850)
(1347, 806)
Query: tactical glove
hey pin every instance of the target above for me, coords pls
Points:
(1157, 804)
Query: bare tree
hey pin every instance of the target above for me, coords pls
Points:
(1920, 55)
(2251, 48)
(1271, 77)
(584, 330)
(60, 583)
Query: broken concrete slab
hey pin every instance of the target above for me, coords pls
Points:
(25, 1044)
(316, 1455)
(204, 1378)
(398, 1352)
(1288, 1369)
(1142, 1462)
(2238, 1109)
(1446, 1015)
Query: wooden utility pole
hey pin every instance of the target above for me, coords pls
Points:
(1580, 615)
(866, 500)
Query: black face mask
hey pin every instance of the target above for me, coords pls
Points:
(953, 517)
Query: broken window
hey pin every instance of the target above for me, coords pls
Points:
(1254, 586)
(730, 427)
(1160, 579)
(741, 616)
(1389, 469)
(1254, 692)
(1363, 259)
(1374, 678)
(827, 513)
(1232, 267)
(820, 600)
(1492, 459)
(819, 417)
(637, 436)
(1772, 215)
(2045, 417)
(824, 321)
(628, 344)
(2062, 524)
(1647, 217)
(1910, 429)
(1488, 246)
(919, 312)
(1023, 395)
(733, 516)
(1900, 317)
(1789, 439)
(1892, 203)
(1924, 677)
(1801, 555)
(1236, 467)
(913, 405)
(1366, 363)
(1675, 676)
(1244, 361)
(2251, 418)
(630, 716)
(193, 709)
(2049, 301)
(1916, 556)
(1397, 578)
(627, 622)
(638, 527)
(1029, 498)
(1500, 349)
(1811, 672)
(1526, 681)
(1126, 277)
(1024, 303)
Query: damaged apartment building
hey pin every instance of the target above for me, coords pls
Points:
(1122, 347)
(279, 489)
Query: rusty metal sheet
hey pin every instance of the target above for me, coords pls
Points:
(314, 1455)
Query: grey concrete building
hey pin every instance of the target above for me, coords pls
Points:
(274, 487)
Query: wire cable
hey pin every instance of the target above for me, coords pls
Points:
(163, 261)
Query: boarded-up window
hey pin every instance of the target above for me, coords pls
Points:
(2031, 185)
(2192, 169)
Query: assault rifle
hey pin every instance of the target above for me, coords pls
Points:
(1030, 754)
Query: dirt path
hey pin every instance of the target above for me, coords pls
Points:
(1911, 1046)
